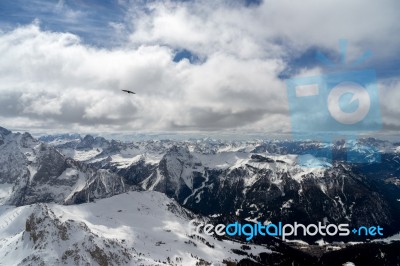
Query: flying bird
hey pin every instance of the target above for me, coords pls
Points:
(129, 92)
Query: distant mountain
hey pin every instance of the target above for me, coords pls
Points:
(57, 138)
(32, 171)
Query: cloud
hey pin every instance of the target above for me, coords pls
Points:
(271, 29)
(53, 78)
(56, 80)
(389, 102)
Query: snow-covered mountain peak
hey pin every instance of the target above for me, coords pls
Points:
(32, 171)
(135, 228)
(44, 239)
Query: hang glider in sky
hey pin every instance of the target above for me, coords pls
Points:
(129, 92)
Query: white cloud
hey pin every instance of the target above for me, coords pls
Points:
(216, 26)
(53, 80)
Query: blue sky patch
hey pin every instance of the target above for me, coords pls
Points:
(186, 54)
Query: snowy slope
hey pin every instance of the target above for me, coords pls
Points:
(135, 228)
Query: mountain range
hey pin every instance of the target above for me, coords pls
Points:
(75, 200)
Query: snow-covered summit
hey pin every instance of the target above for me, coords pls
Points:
(137, 228)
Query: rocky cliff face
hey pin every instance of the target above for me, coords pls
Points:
(70, 242)
(177, 174)
(255, 187)
(32, 171)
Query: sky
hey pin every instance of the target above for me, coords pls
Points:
(196, 66)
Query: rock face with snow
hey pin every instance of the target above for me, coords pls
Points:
(135, 228)
(32, 171)
(256, 187)
(177, 175)
(70, 242)
(278, 191)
